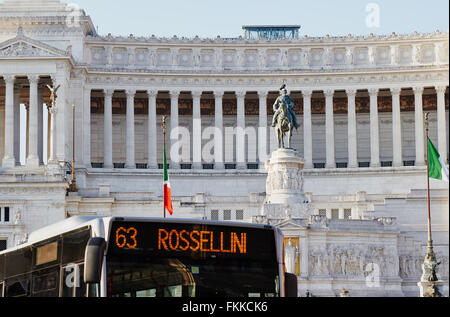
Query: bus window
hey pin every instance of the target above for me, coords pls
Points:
(2, 284)
(45, 283)
(18, 262)
(72, 282)
(74, 246)
(18, 286)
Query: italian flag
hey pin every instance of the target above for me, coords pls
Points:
(167, 194)
(436, 166)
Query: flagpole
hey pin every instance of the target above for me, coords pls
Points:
(430, 241)
(429, 283)
(164, 142)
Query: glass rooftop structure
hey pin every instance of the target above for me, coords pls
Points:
(271, 32)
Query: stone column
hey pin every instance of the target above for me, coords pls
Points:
(352, 139)
(9, 160)
(419, 135)
(219, 134)
(107, 130)
(442, 131)
(240, 131)
(152, 133)
(62, 138)
(396, 128)
(374, 129)
(196, 131)
(130, 141)
(174, 95)
(329, 123)
(52, 160)
(2, 134)
(40, 127)
(32, 158)
(87, 127)
(262, 131)
(17, 125)
(307, 128)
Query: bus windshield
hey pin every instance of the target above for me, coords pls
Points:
(149, 259)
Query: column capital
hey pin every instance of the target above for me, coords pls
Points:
(351, 92)
(440, 89)
(418, 89)
(152, 93)
(130, 92)
(174, 93)
(240, 94)
(196, 94)
(395, 91)
(219, 94)
(263, 94)
(373, 92)
(307, 93)
(108, 93)
(9, 79)
(33, 79)
(329, 93)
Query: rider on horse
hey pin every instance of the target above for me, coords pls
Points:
(287, 100)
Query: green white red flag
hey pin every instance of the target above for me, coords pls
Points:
(167, 190)
(436, 165)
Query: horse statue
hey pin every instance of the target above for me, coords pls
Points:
(283, 126)
(284, 120)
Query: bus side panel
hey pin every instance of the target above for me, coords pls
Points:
(2, 267)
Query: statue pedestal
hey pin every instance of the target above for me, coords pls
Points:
(284, 187)
(285, 178)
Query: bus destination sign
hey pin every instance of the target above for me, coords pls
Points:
(178, 239)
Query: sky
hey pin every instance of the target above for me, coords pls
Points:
(210, 18)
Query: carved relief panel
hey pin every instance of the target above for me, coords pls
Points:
(163, 57)
(361, 56)
(316, 58)
(383, 55)
(405, 54)
(142, 57)
(229, 58)
(427, 54)
(119, 56)
(98, 55)
(207, 58)
(339, 56)
(251, 58)
(294, 58)
(185, 58)
(273, 58)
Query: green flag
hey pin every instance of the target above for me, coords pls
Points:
(436, 166)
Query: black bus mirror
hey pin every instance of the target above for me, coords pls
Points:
(290, 285)
(93, 260)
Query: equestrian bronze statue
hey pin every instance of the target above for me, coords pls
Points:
(284, 119)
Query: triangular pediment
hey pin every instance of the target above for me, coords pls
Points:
(293, 224)
(22, 46)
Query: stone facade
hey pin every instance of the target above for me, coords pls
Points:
(359, 99)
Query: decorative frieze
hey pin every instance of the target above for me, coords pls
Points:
(308, 53)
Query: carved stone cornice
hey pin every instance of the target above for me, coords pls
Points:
(349, 39)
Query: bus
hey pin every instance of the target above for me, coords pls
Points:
(147, 257)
